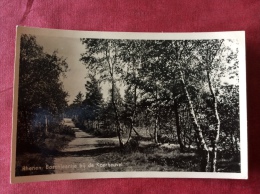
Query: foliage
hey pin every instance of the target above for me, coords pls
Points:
(79, 99)
(41, 95)
(177, 90)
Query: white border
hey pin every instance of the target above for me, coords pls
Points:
(239, 35)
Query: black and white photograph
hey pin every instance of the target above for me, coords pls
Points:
(121, 104)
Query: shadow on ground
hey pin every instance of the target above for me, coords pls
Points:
(86, 153)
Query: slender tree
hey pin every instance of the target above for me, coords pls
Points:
(101, 57)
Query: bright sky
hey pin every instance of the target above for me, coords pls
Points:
(70, 49)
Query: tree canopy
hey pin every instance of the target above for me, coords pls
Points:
(41, 93)
(180, 85)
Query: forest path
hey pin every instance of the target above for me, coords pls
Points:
(79, 155)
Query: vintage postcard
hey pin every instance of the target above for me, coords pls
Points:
(120, 105)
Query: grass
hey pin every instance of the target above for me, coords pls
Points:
(164, 157)
(141, 154)
(107, 142)
(150, 158)
(229, 162)
(42, 154)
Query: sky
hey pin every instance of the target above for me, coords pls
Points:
(70, 49)
(76, 76)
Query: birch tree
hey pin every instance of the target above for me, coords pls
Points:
(201, 65)
(101, 57)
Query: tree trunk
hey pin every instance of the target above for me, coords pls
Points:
(118, 127)
(156, 129)
(46, 124)
(111, 71)
(193, 116)
(133, 117)
(133, 120)
(213, 159)
(205, 160)
(232, 142)
(178, 127)
(236, 143)
(203, 150)
(217, 129)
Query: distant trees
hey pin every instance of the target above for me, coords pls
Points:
(75, 109)
(181, 90)
(79, 99)
(41, 94)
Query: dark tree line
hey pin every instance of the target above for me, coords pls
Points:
(177, 91)
(41, 98)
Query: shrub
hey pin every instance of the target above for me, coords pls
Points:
(64, 130)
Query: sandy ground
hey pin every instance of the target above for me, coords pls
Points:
(79, 155)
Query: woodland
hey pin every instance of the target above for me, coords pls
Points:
(160, 92)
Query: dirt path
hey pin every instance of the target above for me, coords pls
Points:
(79, 155)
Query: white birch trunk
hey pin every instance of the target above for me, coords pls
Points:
(217, 128)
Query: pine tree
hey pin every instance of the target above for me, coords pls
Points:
(79, 99)
(93, 103)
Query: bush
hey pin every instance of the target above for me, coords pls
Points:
(102, 132)
(166, 138)
(64, 130)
